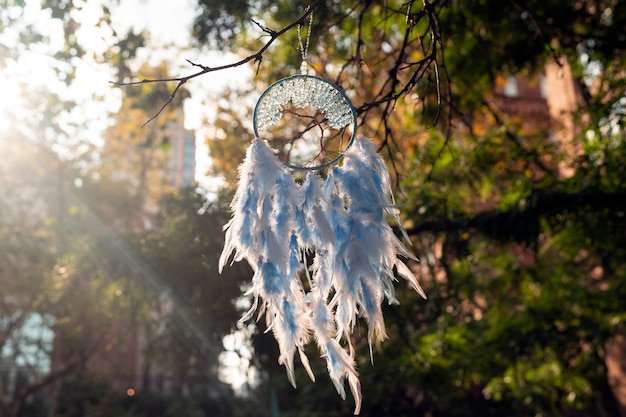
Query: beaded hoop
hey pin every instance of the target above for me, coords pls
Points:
(326, 108)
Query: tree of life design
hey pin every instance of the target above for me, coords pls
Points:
(308, 119)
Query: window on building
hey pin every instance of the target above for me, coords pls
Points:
(510, 87)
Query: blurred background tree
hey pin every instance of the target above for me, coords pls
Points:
(513, 212)
(103, 297)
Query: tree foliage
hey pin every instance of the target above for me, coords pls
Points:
(518, 222)
(80, 282)
(522, 257)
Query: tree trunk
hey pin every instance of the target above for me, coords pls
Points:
(615, 360)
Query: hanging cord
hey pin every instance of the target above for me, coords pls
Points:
(304, 49)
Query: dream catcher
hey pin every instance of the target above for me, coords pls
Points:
(322, 251)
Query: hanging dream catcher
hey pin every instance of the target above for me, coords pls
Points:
(322, 251)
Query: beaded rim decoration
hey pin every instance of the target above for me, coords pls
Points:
(307, 91)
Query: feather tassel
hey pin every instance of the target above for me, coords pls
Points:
(342, 223)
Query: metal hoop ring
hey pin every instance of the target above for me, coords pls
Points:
(303, 91)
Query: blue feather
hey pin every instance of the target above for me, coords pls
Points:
(342, 221)
(272, 279)
(294, 255)
(289, 321)
(302, 228)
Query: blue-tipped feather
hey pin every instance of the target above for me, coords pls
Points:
(294, 256)
(342, 223)
(272, 279)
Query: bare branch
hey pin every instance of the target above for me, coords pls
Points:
(170, 98)
(540, 31)
(204, 67)
(430, 43)
(264, 28)
(256, 57)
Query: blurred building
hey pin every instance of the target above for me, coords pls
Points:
(147, 162)
(543, 103)
(523, 100)
(181, 168)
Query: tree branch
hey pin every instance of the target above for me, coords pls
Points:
(522, 224)
(256, 57)
(542, 34)
(393, 89)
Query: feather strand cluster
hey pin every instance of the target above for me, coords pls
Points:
(322, 252)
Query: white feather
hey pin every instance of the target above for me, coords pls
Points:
(342, 221)
(407, 274)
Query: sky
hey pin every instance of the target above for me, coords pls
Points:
(168, 21)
